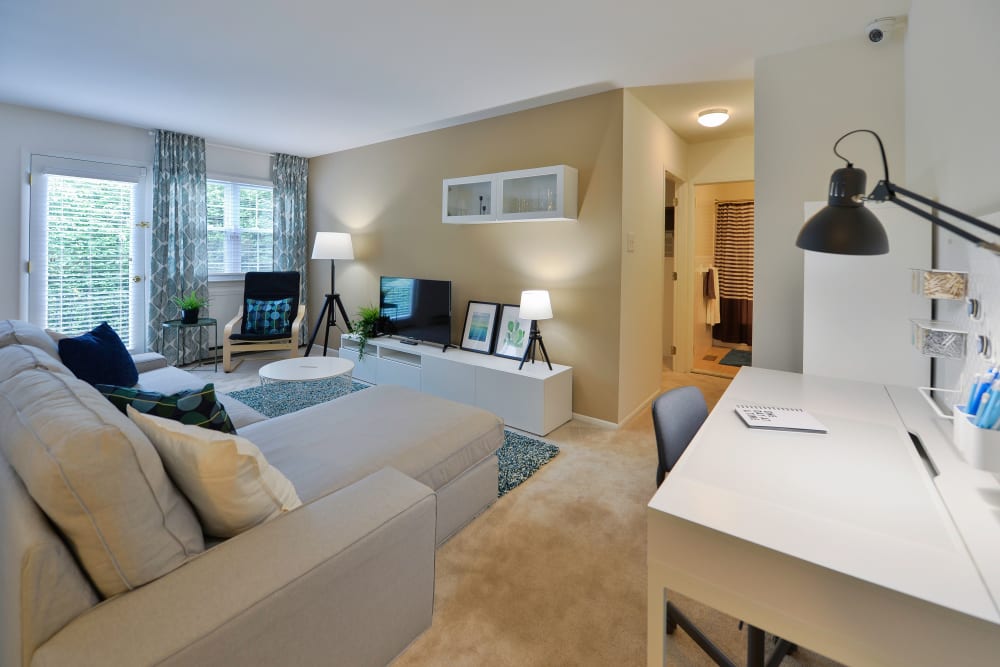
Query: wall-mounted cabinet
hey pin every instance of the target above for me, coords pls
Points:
(545, 193)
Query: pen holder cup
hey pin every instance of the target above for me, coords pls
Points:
(980, 447)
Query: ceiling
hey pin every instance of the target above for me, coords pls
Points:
(310, 77)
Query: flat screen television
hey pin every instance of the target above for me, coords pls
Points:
(415, 309)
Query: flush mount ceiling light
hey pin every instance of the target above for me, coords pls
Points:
(713, 117)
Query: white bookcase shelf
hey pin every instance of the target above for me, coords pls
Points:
(545, 193)
(534, 399)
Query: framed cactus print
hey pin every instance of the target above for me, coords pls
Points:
(512, 333)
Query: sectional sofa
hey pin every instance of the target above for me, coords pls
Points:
(102, 561)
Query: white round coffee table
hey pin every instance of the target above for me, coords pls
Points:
(303, 369)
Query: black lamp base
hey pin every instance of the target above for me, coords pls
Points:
(534, 341)
(331, 321)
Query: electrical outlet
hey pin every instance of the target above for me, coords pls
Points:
(630, 242)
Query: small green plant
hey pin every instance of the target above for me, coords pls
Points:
(366, 327)
(190, 302)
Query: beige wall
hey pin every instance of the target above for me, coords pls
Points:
(388, 196)
(721, 161)
(705, 196)
(649, 148)
(803, 101)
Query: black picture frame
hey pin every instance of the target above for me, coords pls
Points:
(479, 332)
(503, 347)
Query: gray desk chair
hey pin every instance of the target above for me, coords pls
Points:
(677, 416)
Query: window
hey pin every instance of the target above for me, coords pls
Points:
(240, 227)
(86, 243)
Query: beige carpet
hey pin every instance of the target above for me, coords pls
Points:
(555, 572)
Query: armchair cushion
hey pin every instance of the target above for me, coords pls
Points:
(99, 357)
(198, 407)
(268, 317)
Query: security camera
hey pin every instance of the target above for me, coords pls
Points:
(879, 28)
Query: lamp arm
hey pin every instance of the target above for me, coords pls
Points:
(886, 191)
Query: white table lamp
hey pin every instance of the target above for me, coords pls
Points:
(331, 246)
(535, 305)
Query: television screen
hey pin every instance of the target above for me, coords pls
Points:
(415, 308)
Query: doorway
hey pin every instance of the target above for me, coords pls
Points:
(670, 201)
(723, 277)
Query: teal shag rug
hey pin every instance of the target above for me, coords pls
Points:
(520, 456)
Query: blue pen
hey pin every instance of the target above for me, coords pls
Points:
(973, 390)
(976, 396)
(990, 411)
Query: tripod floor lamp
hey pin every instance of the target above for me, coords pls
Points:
(331, 246)
(535, 305)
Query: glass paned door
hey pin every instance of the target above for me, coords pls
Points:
(87, 244)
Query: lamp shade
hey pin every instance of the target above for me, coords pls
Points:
(333, 245)
(535, 305)
(845, 226)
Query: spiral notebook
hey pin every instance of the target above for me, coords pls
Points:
(779, 419)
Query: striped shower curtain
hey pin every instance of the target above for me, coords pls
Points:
(734, 260)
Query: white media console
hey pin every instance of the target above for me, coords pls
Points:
(534, 399)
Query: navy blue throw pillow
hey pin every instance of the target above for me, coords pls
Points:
(99, 357)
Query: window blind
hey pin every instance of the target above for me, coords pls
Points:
(240, 227)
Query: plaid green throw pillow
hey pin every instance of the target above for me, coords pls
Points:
(190, 406)
(268, 318)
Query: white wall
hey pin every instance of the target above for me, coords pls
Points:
(24, 131)
(721, 161)
(804, 100)
(951, 63)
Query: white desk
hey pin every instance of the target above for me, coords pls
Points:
(842, 542)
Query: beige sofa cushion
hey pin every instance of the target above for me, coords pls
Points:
(97, 477)
(19, 332)
(226, 478)
(17, 358)
(330, 445)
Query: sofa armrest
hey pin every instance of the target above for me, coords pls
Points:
(348, 578)
(149, 361)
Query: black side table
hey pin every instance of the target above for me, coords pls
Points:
(202, 324)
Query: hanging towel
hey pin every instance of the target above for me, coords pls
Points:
(712, 315)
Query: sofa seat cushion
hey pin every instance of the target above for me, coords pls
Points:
(19, 332)
(97, 478)
(230, 483)
(330, 445)
(170, 380)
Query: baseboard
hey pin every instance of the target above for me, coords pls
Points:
(642, 406)
(594, 420)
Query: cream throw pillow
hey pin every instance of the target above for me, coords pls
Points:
(225, 476)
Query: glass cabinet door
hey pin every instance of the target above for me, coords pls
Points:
(468, 199)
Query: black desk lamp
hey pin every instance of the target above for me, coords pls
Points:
(846, 227)
(331, 246)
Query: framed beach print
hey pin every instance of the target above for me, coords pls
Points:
(480, 326)
(512, 333)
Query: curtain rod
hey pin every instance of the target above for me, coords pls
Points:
(734, 201)
(231, 148)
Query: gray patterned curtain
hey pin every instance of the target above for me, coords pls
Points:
(179, 258)
(290, 175)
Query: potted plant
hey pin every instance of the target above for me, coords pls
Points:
(189, 305)
(366, 327)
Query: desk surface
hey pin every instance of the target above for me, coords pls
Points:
(858, 500)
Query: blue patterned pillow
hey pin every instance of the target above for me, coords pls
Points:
(268, 318)
(199, 407)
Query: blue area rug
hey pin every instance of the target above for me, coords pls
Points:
(737, 358)
(520, 456)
